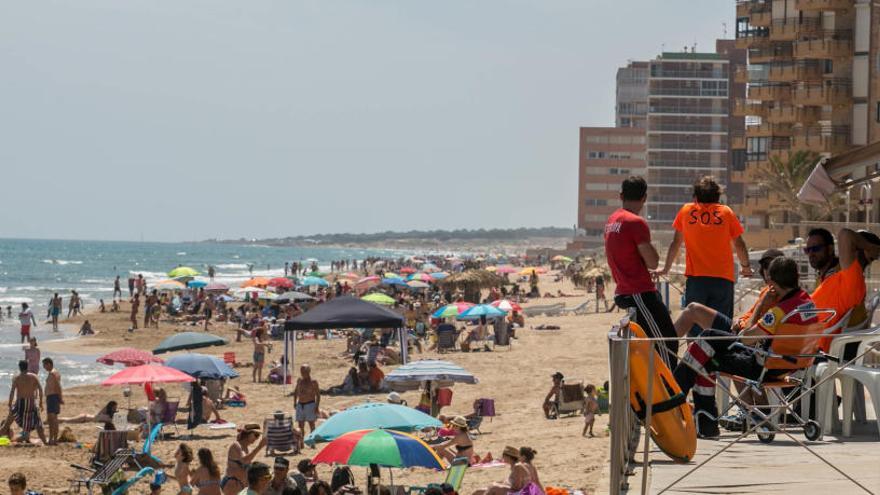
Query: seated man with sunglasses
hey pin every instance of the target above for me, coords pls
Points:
(840, 280)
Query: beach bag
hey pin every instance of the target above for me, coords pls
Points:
(342, 476)
(424, 403)
(444, 397)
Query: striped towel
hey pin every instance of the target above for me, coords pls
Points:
(27, 415)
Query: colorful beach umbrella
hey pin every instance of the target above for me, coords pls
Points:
(370, 416)
(129, 357)
(452, 310)
(391, 275)
(439, 275)
(216, 286)
(197, 284)
(559, 257)
(312, 282)
(533, 269)
(481, 310)
(386, 448)
(148, 373)
(430, 370)
(408, 269)
(417, 284)
(183, 271)
(293, 296)
(169, 285)
(201, 366)
(507, 305)
(280, 282)
(188, 340)
(349, 275)
(367, 282)
(505, 269)
(261, 282)
(421, 277)
(394, 281)
(379, 298)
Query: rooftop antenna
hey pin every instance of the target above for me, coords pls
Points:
(724, 30)
(694, 47)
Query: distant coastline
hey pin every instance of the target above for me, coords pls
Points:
(504, 240)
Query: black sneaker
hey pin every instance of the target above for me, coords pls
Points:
(707, 427)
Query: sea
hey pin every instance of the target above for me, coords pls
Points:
(32, 271)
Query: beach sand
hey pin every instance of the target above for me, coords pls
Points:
(518, 379)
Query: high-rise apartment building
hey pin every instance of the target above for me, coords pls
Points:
(689, 122)
(813, 84)
(607, 156)
(631, 108)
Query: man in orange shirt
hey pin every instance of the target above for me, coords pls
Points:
(709, 231)
(840, 282)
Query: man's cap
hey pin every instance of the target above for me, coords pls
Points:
(281, 463)
(771, 254)
(558, 375)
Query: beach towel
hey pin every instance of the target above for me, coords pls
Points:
(27, 416)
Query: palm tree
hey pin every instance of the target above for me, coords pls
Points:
(786, 177)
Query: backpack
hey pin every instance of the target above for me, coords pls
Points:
(342, 476)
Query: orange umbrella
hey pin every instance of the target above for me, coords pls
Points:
(256, 282)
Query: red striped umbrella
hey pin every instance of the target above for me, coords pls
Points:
(129, 357)
(147, 373)
(281, 282)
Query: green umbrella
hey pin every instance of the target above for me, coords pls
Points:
(379, 298)
(183, 271)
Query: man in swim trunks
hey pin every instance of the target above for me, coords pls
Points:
(23, 401)
(54, 398)
(306, 400)
(55, 311)
(553, 395)
(26, 318)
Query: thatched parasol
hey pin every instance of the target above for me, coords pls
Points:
(471, 282)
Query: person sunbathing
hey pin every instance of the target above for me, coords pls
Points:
(105, 415)
(459, 444)
(234, 397)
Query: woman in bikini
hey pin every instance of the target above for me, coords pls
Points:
(105, 415)
(183, 456)
(206, 477)
(460, 445)
(518, 480)
(239, 456)
(259, 354)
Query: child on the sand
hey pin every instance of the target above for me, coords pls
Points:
(591, 406)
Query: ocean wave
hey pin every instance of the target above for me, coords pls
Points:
(182, 253)
(231, 265)
(63, 262)
(94, 280)
(16, 300)
(2, 290)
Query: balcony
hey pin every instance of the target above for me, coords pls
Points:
(741, 74)
(760, 18)
(768, 130)
(820, 5)
(743, 108)
(822, 139)
(823, 48)
(790, 114)
(737, 140)
(688, 110)
(831, 92)
(773, 53)
(803, 70)
(793, 28)
(752, 37)
(769, 92)
(744, 8)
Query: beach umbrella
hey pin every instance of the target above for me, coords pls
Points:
(430, 267)
(256, 282)
(216, 286)
(379, 298)
(391, 275)
(421, 277)
(293, 296)
(408, 270)
(243, 291)
(280, 282)
(505, 269)
(492, 269)
(313, 281)
(148, 373)
(169, 285)
(201, 366)
(268, 296)
(369, 416)
(417, 284)
(386, 448)
(394, 281)
(183, 271)
(349, 275)
(533, 269)
(559, 257)
(438, 275)
(197, 284)
(188, 340)
(451, 310)
(367, 282)
(430, 370)
(481, 310)
(507, 305)
(317, 273)
(129, 357)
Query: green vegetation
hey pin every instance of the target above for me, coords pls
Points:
(497, 235)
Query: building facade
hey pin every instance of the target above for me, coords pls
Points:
(607, 156)
(689, 125)
(631, 105)
(812, 85)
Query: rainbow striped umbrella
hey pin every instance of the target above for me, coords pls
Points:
(388, 448)
(451, 310)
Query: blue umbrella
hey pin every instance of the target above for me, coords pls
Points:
(197, 284)
(188, 340)
(312, 281)
(201, 366)
(481, 310)
(394, 281)
(371, 415)
(438, 275)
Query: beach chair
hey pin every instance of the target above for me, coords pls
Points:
(108, 442)
(580, 309)
(446, 340)
(454, 477)
(169, 418)
(570, 401)
(103, 473)
(280, 435)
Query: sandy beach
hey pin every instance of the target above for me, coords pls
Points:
(518, 379)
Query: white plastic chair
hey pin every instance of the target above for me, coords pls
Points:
(825, 398)
(869, 378)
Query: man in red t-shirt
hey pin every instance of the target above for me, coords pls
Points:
(630, 256)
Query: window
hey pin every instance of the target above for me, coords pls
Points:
(596, 202)
(597, 139)
(593, 186)
(595, 155)
(877, 113)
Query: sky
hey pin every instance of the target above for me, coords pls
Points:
(184, 120)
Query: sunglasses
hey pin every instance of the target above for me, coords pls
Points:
(813, 249)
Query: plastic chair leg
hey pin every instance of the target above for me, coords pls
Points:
(848, 397)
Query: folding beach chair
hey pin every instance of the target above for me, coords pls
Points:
(169, 418)
(789, 355)
(571, 400)
(446, 340)
(454, 477)
(102, 474)
(108, 442)
(280, 435)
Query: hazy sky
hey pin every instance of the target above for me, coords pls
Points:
(183, 120)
